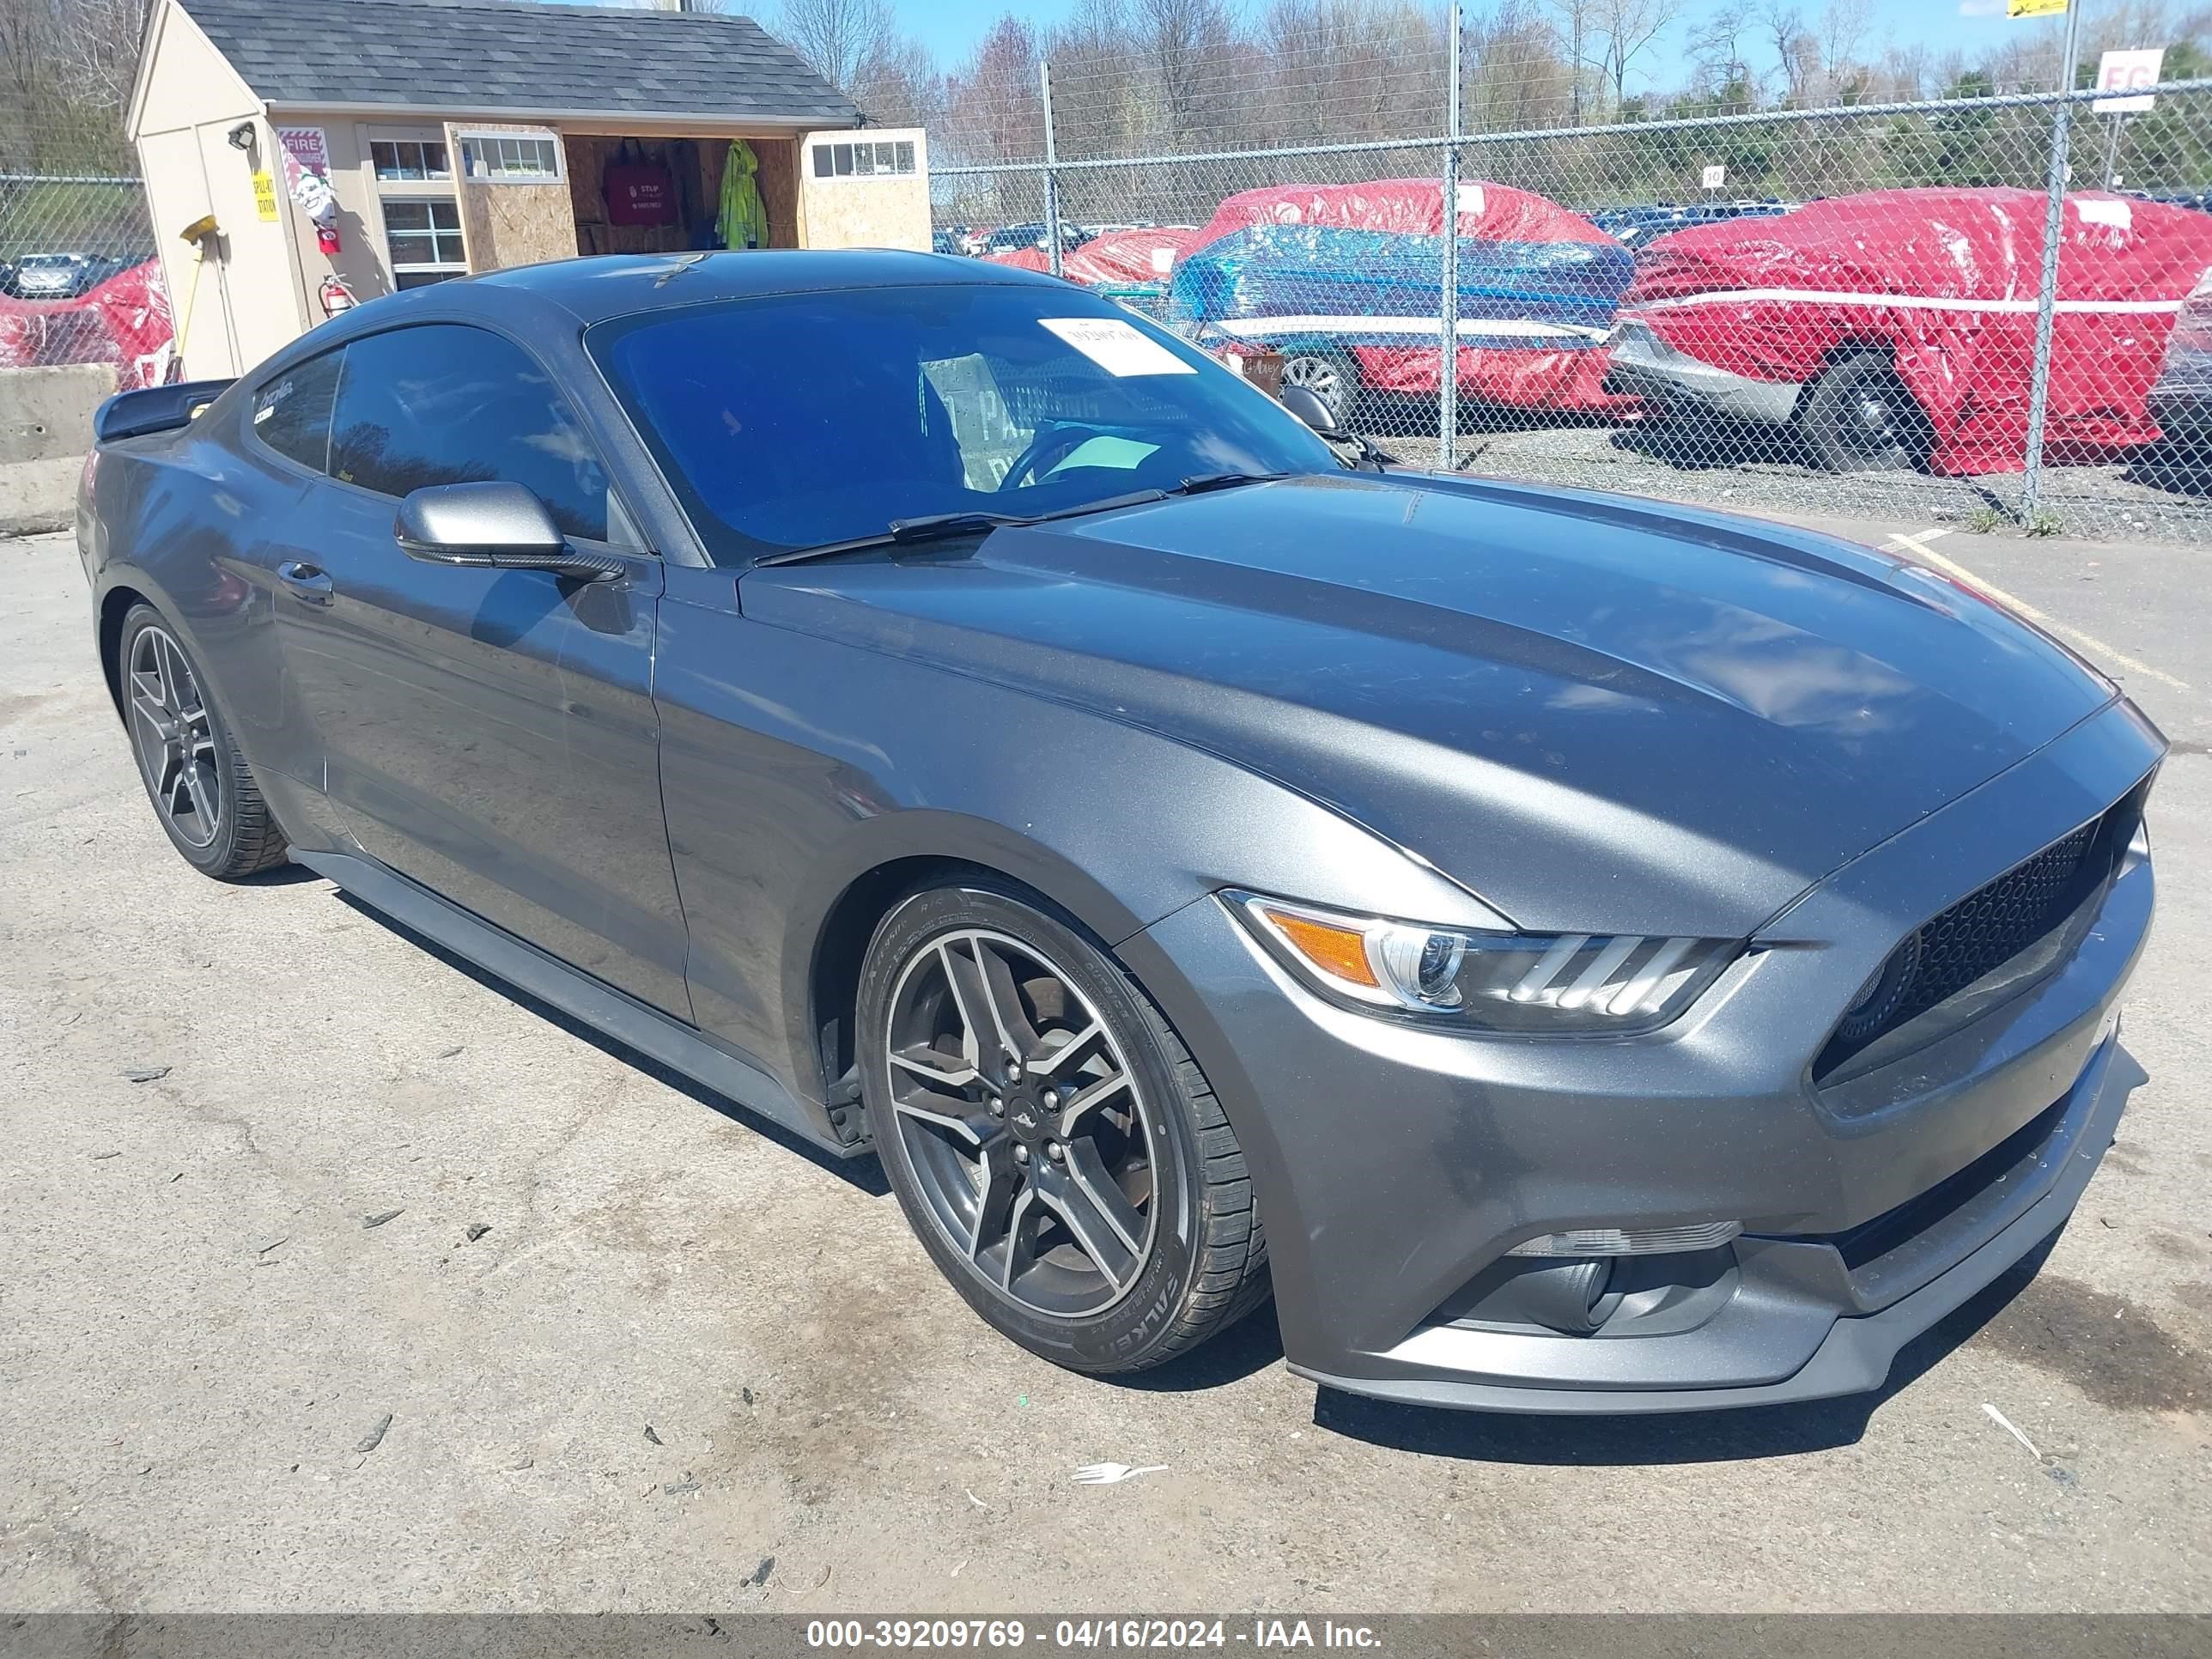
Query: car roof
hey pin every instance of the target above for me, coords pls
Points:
(614, 285)
(567, 295)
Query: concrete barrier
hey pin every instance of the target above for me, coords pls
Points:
(46, 427)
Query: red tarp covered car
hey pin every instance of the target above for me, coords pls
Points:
(1897, 328)
(124, 322)
(1117, 258)
(1530, 271)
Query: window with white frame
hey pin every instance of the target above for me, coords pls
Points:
(405, 160)
(864, 161)
(512, 158)
(424, 239)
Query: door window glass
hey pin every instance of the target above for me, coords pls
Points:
(447, 404)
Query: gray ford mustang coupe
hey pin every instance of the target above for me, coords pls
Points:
(1626, 958)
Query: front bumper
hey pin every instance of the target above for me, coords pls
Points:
(1645, 366)
(1395, 1166)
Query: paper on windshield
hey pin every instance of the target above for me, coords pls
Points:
(1115, 347)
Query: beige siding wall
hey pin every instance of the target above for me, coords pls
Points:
(188, 80)
(242, 304)
(360, 262)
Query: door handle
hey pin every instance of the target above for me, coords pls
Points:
(309, 582)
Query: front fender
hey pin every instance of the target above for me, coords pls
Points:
(794, 769)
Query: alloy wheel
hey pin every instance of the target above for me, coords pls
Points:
(1874, 432)
(1029, 1137)
(1320, 375)
(174, 738)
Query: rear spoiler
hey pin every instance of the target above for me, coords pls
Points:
(157, 409)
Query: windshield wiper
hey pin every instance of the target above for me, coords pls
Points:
(935, 527)
(1206, 481)
(942, 527)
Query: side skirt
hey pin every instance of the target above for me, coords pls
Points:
(598, 1006)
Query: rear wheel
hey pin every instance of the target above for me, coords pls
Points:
(203, 794)
(1052, 1142)
(1859, 418)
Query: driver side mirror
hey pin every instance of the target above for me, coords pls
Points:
(493, 525)
(1305, 403)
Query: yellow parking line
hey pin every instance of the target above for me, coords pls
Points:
(1918, 546)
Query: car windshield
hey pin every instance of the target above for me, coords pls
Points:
(798, 420)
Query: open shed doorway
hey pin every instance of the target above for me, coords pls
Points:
(678, 200)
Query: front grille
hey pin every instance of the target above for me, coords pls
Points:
(1991, 926)
(1982, 930)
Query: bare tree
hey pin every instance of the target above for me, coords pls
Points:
(1843, 28)
(995, 108)
(835, 37)
(1717, 47)
(1903, 75)
(1185, 45)
(1517, 75)
(898, 85)
(1578, 33)
(1630, 27)
(1784, 27)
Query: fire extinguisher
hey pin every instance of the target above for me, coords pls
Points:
(336, 296)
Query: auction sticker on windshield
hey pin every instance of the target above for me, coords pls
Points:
(1115, 347)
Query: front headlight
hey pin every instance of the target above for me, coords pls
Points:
(1558, 984)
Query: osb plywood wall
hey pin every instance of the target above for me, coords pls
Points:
(695, 165)
(507, 225)
(880, 211)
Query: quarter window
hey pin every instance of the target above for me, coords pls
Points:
(512, 158)
(404, 160)
(854, 161)
(292, 413)
(448, 403)
(425, 240)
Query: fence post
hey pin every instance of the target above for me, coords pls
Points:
(1448, 311)
(2046, 294)
(1051, 172)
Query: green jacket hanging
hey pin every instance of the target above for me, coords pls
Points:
(743, 219)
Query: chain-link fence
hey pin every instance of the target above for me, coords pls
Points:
(1839, 312)
(78, 280)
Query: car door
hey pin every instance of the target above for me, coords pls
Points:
(489, 733)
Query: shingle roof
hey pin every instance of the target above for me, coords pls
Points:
(495, 55)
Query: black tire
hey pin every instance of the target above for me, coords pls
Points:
(1330, 376)
(1859, 418)
(1204, 1262)
(153, 665)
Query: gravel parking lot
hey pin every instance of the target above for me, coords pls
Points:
(335, 1276)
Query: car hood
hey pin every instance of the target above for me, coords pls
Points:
(1596, 714)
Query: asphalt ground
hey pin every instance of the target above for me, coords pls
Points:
(689, 1366)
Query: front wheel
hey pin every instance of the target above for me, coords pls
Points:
(1860, 417)
(1052, 1142)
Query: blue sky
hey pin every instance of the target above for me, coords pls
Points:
(951, 27)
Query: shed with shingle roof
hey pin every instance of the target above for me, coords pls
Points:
(346, 149)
